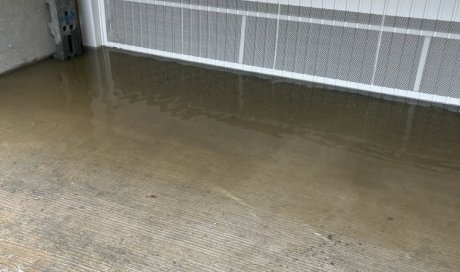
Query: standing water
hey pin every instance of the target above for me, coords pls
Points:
(118, 162)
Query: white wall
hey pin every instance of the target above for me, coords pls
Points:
(24, 34)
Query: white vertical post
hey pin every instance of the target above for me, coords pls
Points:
(421, 63)
(182, 6)
(101, 26)
(276, 35)
(379, 43)
(242, 37)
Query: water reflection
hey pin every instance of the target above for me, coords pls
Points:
(426, 137)
(228, 157)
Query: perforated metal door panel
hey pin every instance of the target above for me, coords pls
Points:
(442, 72)
(399, 61)
(259, 47)
(398, 56)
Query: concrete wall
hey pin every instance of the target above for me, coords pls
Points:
(24, 34)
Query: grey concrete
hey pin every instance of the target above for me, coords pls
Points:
(111, 162)
(24, 34)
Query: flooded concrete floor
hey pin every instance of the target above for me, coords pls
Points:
(114, 162)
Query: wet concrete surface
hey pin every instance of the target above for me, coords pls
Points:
(113, 162)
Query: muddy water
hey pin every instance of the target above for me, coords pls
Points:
(111, 158)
